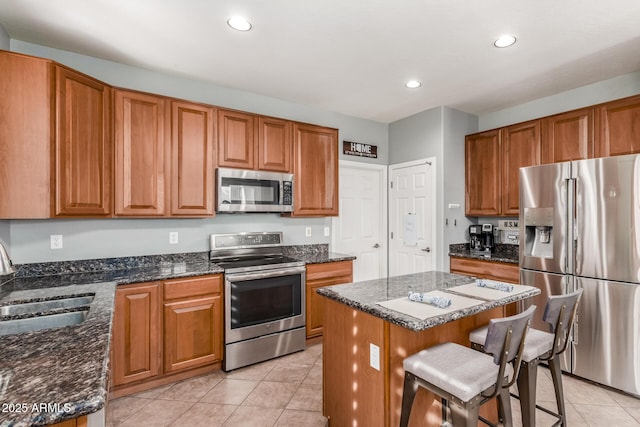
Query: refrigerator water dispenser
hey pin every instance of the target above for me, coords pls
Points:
(538, 225)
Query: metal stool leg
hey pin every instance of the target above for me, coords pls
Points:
(464, 416)
(504, 407)
(527, 391)
(408, 395)
(556, 374)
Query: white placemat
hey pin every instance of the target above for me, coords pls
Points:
(423, 311)
(474, 290)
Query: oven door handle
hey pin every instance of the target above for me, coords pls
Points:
(238, 277)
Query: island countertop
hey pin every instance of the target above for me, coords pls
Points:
(365, 295)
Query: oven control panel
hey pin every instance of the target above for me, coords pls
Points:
(245, 240)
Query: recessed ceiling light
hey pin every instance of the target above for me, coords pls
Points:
(505, 41)
(239, 23)
(413, 84)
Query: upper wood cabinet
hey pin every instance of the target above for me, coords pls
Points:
(236, 139)
(568, 136)
(140, 147)
(520, 148)
(192, 159)
(274, 144)
(83, 145)
(618, 127)
(492, 163)
(26, 136)
(315, 167)
(482, 174)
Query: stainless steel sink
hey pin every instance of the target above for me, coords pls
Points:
(47, 321)
(44, 306)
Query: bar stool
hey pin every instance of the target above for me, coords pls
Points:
(465, 378)
(559, 313)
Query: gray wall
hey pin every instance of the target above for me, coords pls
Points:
(4, 39)
(606, 90)
(97, 238)
(439, 133)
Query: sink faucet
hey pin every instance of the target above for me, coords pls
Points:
(6, 266)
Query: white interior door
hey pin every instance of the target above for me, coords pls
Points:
(360, 229)
(412, 217)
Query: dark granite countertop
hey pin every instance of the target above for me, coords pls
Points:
(503, 253)
(69, 365)
(324, 258)
(364, 296)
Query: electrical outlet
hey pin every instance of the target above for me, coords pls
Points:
(327, 232)
(307, 231)
(56, 241)
(374, 356)
(173, 237)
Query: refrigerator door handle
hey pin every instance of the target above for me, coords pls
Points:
(572, 234)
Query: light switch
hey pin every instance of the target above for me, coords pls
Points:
(327, 232)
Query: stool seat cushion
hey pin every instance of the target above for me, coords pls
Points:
(458, 370)
(536, 343)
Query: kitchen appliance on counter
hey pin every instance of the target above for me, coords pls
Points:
(487, 238)
(242, 190)
(475, 238)
(264, 298)
(508, 232)
(580, 228)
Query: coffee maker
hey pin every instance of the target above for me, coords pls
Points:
(475, 238)
(486, 240)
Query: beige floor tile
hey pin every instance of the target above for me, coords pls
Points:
(624, 400)
(154, 392)
(249, 416)
(192, 389)
(158, 413)
(205, 415)
(604, 415)
(288, 372)
(308, 397)
(290, 418)
(230, 392)
(314, 376)
(118, 410)
(255, 372)
(302, 357)
(581, 392)
(271, 394)
(634, 412)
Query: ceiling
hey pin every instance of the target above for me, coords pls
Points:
(353, 56)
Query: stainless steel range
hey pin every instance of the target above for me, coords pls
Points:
(264, 297)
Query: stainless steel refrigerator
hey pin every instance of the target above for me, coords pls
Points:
(580, 228)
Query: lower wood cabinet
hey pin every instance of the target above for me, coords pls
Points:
(76, 422)
(494, 270)
(317, 276)
(161, 328)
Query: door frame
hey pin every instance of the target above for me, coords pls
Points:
(431, 161)
(384, 197)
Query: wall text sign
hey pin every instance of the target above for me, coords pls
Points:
(359, 149)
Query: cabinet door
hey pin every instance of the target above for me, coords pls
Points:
(319, 275)
(274, 144)
(83, 145)
(482, 174)
(568, 136)
(520, 148)
(136, 333)
(26, 89)
(140, 154)
(619, 127)
(192, 142)
(315, 171)
(192, 333)
(236, 144)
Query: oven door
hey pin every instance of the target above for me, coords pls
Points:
(263, 302)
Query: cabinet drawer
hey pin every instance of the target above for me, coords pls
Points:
(183, 288)
(486, 269)
(340, 270)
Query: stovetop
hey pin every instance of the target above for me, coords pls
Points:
(258, 262)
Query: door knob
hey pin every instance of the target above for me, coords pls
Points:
(376, 246)
(426, 249)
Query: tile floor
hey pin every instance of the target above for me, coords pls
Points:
(288, 392)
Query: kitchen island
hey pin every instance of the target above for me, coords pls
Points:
(365, 343)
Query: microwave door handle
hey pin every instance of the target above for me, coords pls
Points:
(238, 277)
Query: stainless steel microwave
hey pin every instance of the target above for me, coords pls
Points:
(242, 190)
